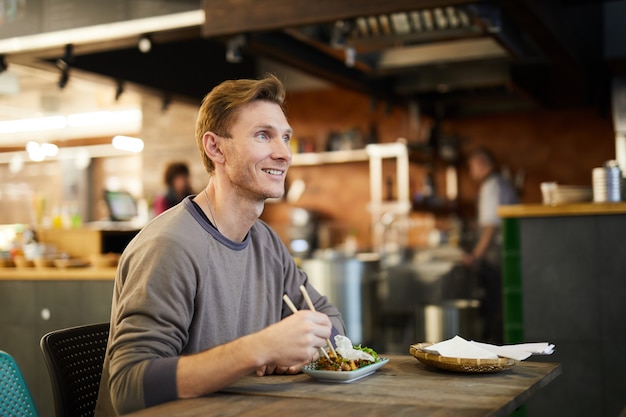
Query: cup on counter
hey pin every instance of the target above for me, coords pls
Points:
(548, 191)
(598, 181)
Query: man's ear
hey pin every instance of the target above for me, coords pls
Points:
(212, 144)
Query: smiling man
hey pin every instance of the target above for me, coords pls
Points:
(197, 298)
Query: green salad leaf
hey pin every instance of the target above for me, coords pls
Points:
(367, 350)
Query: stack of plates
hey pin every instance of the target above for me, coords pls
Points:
(571, 194)
(554, 193)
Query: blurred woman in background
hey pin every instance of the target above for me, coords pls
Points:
(178, 184)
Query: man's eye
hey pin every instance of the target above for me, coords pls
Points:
(262, 135)
(286, 139)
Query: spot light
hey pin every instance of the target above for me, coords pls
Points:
(338, 35)
(67, 59)
(233, 49)
(127, 143)
(145, 44)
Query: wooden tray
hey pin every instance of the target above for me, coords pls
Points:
(460, 364)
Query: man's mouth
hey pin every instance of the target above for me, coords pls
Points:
(277, 172)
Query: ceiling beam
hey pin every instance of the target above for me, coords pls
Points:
(565, 36)
(287, 50)
(551, 35)
(226, 17)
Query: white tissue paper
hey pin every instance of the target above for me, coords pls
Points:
(520, 351)
(457, 347)
(344, 347)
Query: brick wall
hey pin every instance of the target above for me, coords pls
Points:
(560, 146)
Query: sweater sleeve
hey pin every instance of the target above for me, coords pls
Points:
(153, 307)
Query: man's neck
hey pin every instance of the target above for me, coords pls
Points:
(231, 214)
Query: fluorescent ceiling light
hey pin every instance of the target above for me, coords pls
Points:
(98, 118)
(104, 32)
(90, 119)
(452, 51)
(127, 143)
(31, 125)
(74, 153)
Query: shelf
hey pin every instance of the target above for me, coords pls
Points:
(334, 157)
(57, 274)
(572, 209)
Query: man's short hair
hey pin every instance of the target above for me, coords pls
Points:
(220, 107)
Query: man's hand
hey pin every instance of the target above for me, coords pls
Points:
(293, 342)
(279, 370)
(282, 347)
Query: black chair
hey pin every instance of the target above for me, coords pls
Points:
(74, 358)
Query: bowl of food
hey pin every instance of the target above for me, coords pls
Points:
(104, 260)
(22, 262)
(65, 263)
(346, 364)
(43, 262)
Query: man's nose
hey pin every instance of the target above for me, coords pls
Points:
(281, 150)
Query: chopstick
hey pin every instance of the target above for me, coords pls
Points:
(294, 310)
(305, 294)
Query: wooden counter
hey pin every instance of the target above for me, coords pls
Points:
(57, 274)
(575, 209)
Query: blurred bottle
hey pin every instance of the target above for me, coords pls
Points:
(57, 218)
(613, 181)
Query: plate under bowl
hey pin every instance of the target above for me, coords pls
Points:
(344, 377)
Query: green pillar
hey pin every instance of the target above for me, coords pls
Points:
(512, 282)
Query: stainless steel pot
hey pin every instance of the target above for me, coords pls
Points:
(349, 284)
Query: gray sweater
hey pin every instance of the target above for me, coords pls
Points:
(181, 288)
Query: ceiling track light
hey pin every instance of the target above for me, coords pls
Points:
(119, 90)
(64, 64)
(64, 78)
(167, 100)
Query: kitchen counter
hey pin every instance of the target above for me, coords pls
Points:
(574, 209)
(563, 282)
(35, 301)
(57, 274)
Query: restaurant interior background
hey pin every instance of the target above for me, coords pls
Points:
(532, 82)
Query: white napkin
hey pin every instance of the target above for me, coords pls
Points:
(457, 347)
(344, 347)
(520, 351)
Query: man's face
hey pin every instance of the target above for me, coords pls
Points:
(258, 154)
(478, 168)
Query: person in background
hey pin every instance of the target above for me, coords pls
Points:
(197, 300)
(177, 180)
(486, 254)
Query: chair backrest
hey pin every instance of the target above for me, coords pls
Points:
(74, 358)
(15, 399)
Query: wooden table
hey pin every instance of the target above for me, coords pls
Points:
(403, 387)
